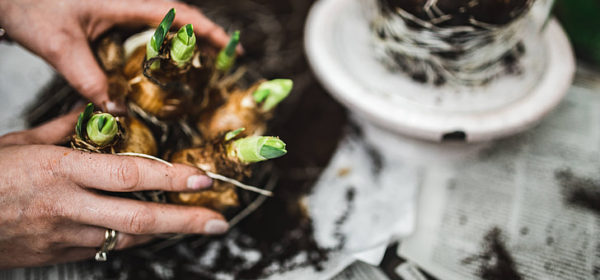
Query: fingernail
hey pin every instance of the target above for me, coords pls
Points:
(240, 49)
(196, 182)
(113, 107)
(216, 227)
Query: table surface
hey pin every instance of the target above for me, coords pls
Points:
(586, 77)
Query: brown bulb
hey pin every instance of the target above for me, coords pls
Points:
(239, 111)
(150, 96)
(110, 53)
(138, 137)
(221, 195)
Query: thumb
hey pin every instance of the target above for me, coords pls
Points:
(53, 132)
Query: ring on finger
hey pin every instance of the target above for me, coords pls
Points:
(110, 242)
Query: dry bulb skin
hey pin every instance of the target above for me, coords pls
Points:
(111, 57)
(138, 138)
(110, 54)
(229, 157)
(220, 196)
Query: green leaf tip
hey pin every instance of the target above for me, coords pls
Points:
(101, 122)
(232, 134)
(232, 44)
(163, 29)
(272, 92)
(226, 57)
(183, 45)
(189, 29)
(258, 148)
(83, 118)
(153, 46)
(273, 148)
(102, 128)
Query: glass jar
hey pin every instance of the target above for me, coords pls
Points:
(464, 45)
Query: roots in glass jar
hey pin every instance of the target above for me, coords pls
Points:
(451, 43)
(461, 12)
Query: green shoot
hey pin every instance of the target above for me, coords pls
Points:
(256, 148)
(102, 129)
(183, 45)
(273, 148)
(153, 46)
(272, 92)
(83, 118)
(227, 55)
(232, 134)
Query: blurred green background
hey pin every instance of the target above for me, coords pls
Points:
(581, 20)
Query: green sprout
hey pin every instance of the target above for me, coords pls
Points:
(182, 46)
(83, 118)
(257, 148)
(272, 92)
(227, 55)
(102, 129)
(153, 46)
(232, 134)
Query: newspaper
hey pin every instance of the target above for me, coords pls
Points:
(364, 199)
(506, 211)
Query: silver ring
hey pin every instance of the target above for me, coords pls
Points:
(110, 241)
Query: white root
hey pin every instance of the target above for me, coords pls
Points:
(146, 156)
(209, 174)
(238, 184)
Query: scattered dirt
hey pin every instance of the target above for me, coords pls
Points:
(495, 261)
(376, 158)
(580, 191)
(340, 221)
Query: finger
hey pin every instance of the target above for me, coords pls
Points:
(142, 218)
(94, 237)
(127, 174)
(74, 254)
(56, 131)
(53, 132)
(152, 12)
(77, 64)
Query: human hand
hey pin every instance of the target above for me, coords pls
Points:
(59, 30)
(51, 210)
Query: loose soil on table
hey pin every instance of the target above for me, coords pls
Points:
(495, 262)
(579, 191)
